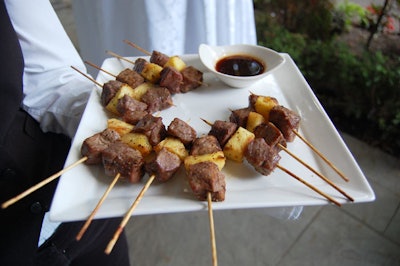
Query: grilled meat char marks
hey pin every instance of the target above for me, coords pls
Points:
(164, 165)
(130, 77)
(271, 134)
(192, 78)
(157, 99)
(181, 130)
(261, 156)
(131, 109)
(223, 131)
(239, 116)
(205, 177)
(205, 145)
(171, 79)
(93, 146)
(152, 127)
(286, 120)
(110, 88)
(118, 157)
(158, 58)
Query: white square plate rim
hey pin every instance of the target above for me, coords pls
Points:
(79, 189)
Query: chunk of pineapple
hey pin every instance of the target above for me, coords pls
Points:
(254, 120)
(264, 104)
(124, 90)
(120, 126)
(217, 157)
(173, 145)
(176, 62)
(139, 142)
(235, 148)
(151, 72)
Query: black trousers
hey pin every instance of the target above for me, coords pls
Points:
(27, 155)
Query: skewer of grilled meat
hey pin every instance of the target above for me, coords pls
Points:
(191, 77)
(171, 151)
(204, 175)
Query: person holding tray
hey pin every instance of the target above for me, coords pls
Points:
(42, 100)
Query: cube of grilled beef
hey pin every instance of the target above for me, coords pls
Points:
(205, 177)
(286, 120)
(152, 127)
(192, 78)
(240, 116)
(120, 158)
(140, 63)
(261, 156)
(271, 134)
(130, 77)
(158, 58)
(223, 131)
(109, 90)
(133, 117)
(182, 130)
(163, 165)
(171, 79)
(205, 145)
(127, 103)
(94, 145)
(157, 99)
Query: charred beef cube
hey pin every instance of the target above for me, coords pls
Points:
(127, 103)
(110, 88)
(205, 145)
(223, 131)
(152, 127)
(94, 145)
(159, 58)
(157, 99)
(182, 130)
(118, 157)
(130, 77)
(133, 117)
(261, 156)
(286, 120)
(271, 134)
(140, 63)
(240, 116)
(192, 78)
(171, 79)
(164, 165)
(205, 177)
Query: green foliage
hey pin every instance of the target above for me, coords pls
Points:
(347, 13)
(361, 93)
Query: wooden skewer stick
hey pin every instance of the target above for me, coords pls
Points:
(316, 172)
(120, 57)
(212, 232)
(128, 215)
(322, 156)
(87, 76)
(90, 218)
(41, 184)
(137, 47)
(99, 68)
(309, 185)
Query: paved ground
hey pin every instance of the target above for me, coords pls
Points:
(360, 234)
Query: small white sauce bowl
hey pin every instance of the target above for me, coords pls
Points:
(210, 55)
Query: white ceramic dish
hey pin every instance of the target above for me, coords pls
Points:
(80, 189)
(210, 55)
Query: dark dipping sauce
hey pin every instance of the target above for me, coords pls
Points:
(240, 65)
